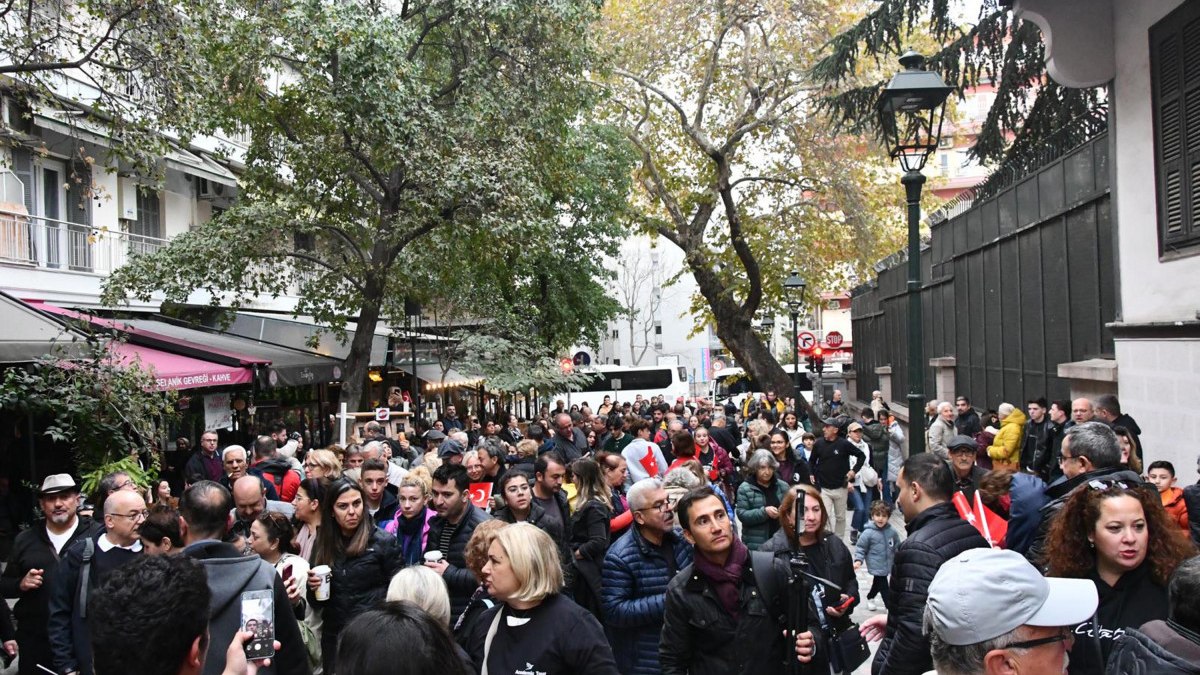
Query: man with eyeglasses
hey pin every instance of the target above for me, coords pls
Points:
(205, 463)
(85, 566)
(637, 569)
(565, 442)
(990, 612)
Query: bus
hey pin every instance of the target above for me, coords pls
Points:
(736, 384)
(625, 383)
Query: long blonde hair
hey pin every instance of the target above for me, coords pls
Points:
(590, 483)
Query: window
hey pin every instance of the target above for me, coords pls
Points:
(1175, 76)
(658, 329)
(616, 334)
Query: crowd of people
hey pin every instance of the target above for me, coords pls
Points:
(644, 537)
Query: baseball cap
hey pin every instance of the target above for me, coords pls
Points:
(960, 441)
(984, 593)
(58, 482)
(854, 426)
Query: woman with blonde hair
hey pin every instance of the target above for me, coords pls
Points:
(411, 524)
(589, 532)
(421, 586)
(533, 622)
(322, 464)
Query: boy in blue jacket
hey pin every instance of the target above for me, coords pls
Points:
(877, 546)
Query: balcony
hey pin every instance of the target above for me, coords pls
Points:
(47, 243)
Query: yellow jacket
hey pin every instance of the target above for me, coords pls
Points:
(1006, 447)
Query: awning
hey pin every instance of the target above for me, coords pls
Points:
(199, 164)
(175, 371)
(29, 335)
(287, 367)
(276, 365)
(432, 373)
(296, 333)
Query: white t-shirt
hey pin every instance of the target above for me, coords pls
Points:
(60, 540)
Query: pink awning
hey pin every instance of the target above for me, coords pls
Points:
(173, 371)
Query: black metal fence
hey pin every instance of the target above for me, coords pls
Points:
(1012, 286)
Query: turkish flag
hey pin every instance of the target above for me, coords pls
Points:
(481, 494)
(649, 463)
(990, 525)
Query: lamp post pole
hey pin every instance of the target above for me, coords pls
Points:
(795, 357)
(913, 182)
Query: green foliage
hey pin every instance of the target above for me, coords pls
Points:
(512, 364)
(997, 48)
(102, 409)
(375, 126)
(127, 465)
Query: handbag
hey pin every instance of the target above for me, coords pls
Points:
(849, 649)
(869, 476)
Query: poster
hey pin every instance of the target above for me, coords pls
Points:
(217, 412)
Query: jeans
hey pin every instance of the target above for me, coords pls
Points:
(890, 492)
(861, 503)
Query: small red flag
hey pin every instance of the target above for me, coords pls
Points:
(481, 494)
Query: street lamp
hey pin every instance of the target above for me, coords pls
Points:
(911, 111)
(767, 326)
(793, 291)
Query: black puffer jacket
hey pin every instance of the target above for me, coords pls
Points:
(361, 582)
(936, 535)
(1155, 649)
(1058, 493)
(459, 580)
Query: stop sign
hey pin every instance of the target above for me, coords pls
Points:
(834, 339)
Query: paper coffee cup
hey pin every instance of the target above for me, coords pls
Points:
(433, 556)
(325, 574)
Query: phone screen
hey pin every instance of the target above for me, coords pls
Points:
(258, 618)
(286, 573)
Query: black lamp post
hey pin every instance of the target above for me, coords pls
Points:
(793, 291)
(911, 111)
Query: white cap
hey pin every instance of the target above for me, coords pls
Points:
(984, 593)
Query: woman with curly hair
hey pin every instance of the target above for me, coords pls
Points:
(1117, 534)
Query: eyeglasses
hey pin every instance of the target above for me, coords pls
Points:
(133, 516)
(660, 505)
(1030, 644)
(1063, 459)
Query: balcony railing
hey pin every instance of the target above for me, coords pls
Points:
(56, 244)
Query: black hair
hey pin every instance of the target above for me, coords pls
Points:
(880, 506)
(205, 508)
(1162, 464)
(108, 485)
(931, 473)
(453, 473)
(373, 465)
(684, 505)
(279, 528)
(536, 432)
(397, 639)
(157, 638)
(514, 473)
(868, 414)
(542, 464)
(964, 399)
(1062, 405)
(1040, 402)
(162, 522)
(1182, 591)
(315, 488)
(278, 427)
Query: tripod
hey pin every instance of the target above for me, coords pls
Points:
(798, 597)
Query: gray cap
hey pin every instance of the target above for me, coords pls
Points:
(984, 593)
(434, 435)
(830, 422)
(449, 447)
(960, 441)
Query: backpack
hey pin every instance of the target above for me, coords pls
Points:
(876, 437)
(85, 575)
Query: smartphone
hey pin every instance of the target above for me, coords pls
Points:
(258, 618)
(286, 574)
(842, 607)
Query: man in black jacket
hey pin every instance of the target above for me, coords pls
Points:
(718, 618)
(1089, 451)
(1036, 431)
(936, 533)
(33, 562)
(450, 530)
(967, 421)
(831, 472)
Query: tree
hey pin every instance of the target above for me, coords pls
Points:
(1029, 111)
(735, 169)
(102, 407)
(374, 126)
(639, 290)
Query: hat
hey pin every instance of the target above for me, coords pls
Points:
(679, 399)
(830, 422)
(449, 447)
(59, 482)
(984, 593)
(854, 426)
(959, 441)
(434, 435)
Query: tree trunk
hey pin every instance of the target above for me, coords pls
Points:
(358, 361)
(737, 334)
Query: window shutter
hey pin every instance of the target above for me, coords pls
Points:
(1175, 73)
(79, 190)
(22, 166)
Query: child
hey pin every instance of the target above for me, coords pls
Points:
(877, 545)
(1162, 474)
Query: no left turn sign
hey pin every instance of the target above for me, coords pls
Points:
(806, 341)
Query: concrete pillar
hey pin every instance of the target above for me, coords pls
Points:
(943, 367)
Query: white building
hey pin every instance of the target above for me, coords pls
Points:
(1147, 52)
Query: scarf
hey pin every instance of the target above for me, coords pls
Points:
(409, 531)
(726, 579)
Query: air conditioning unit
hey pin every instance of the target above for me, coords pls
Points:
(947, 142)
(207, 189)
